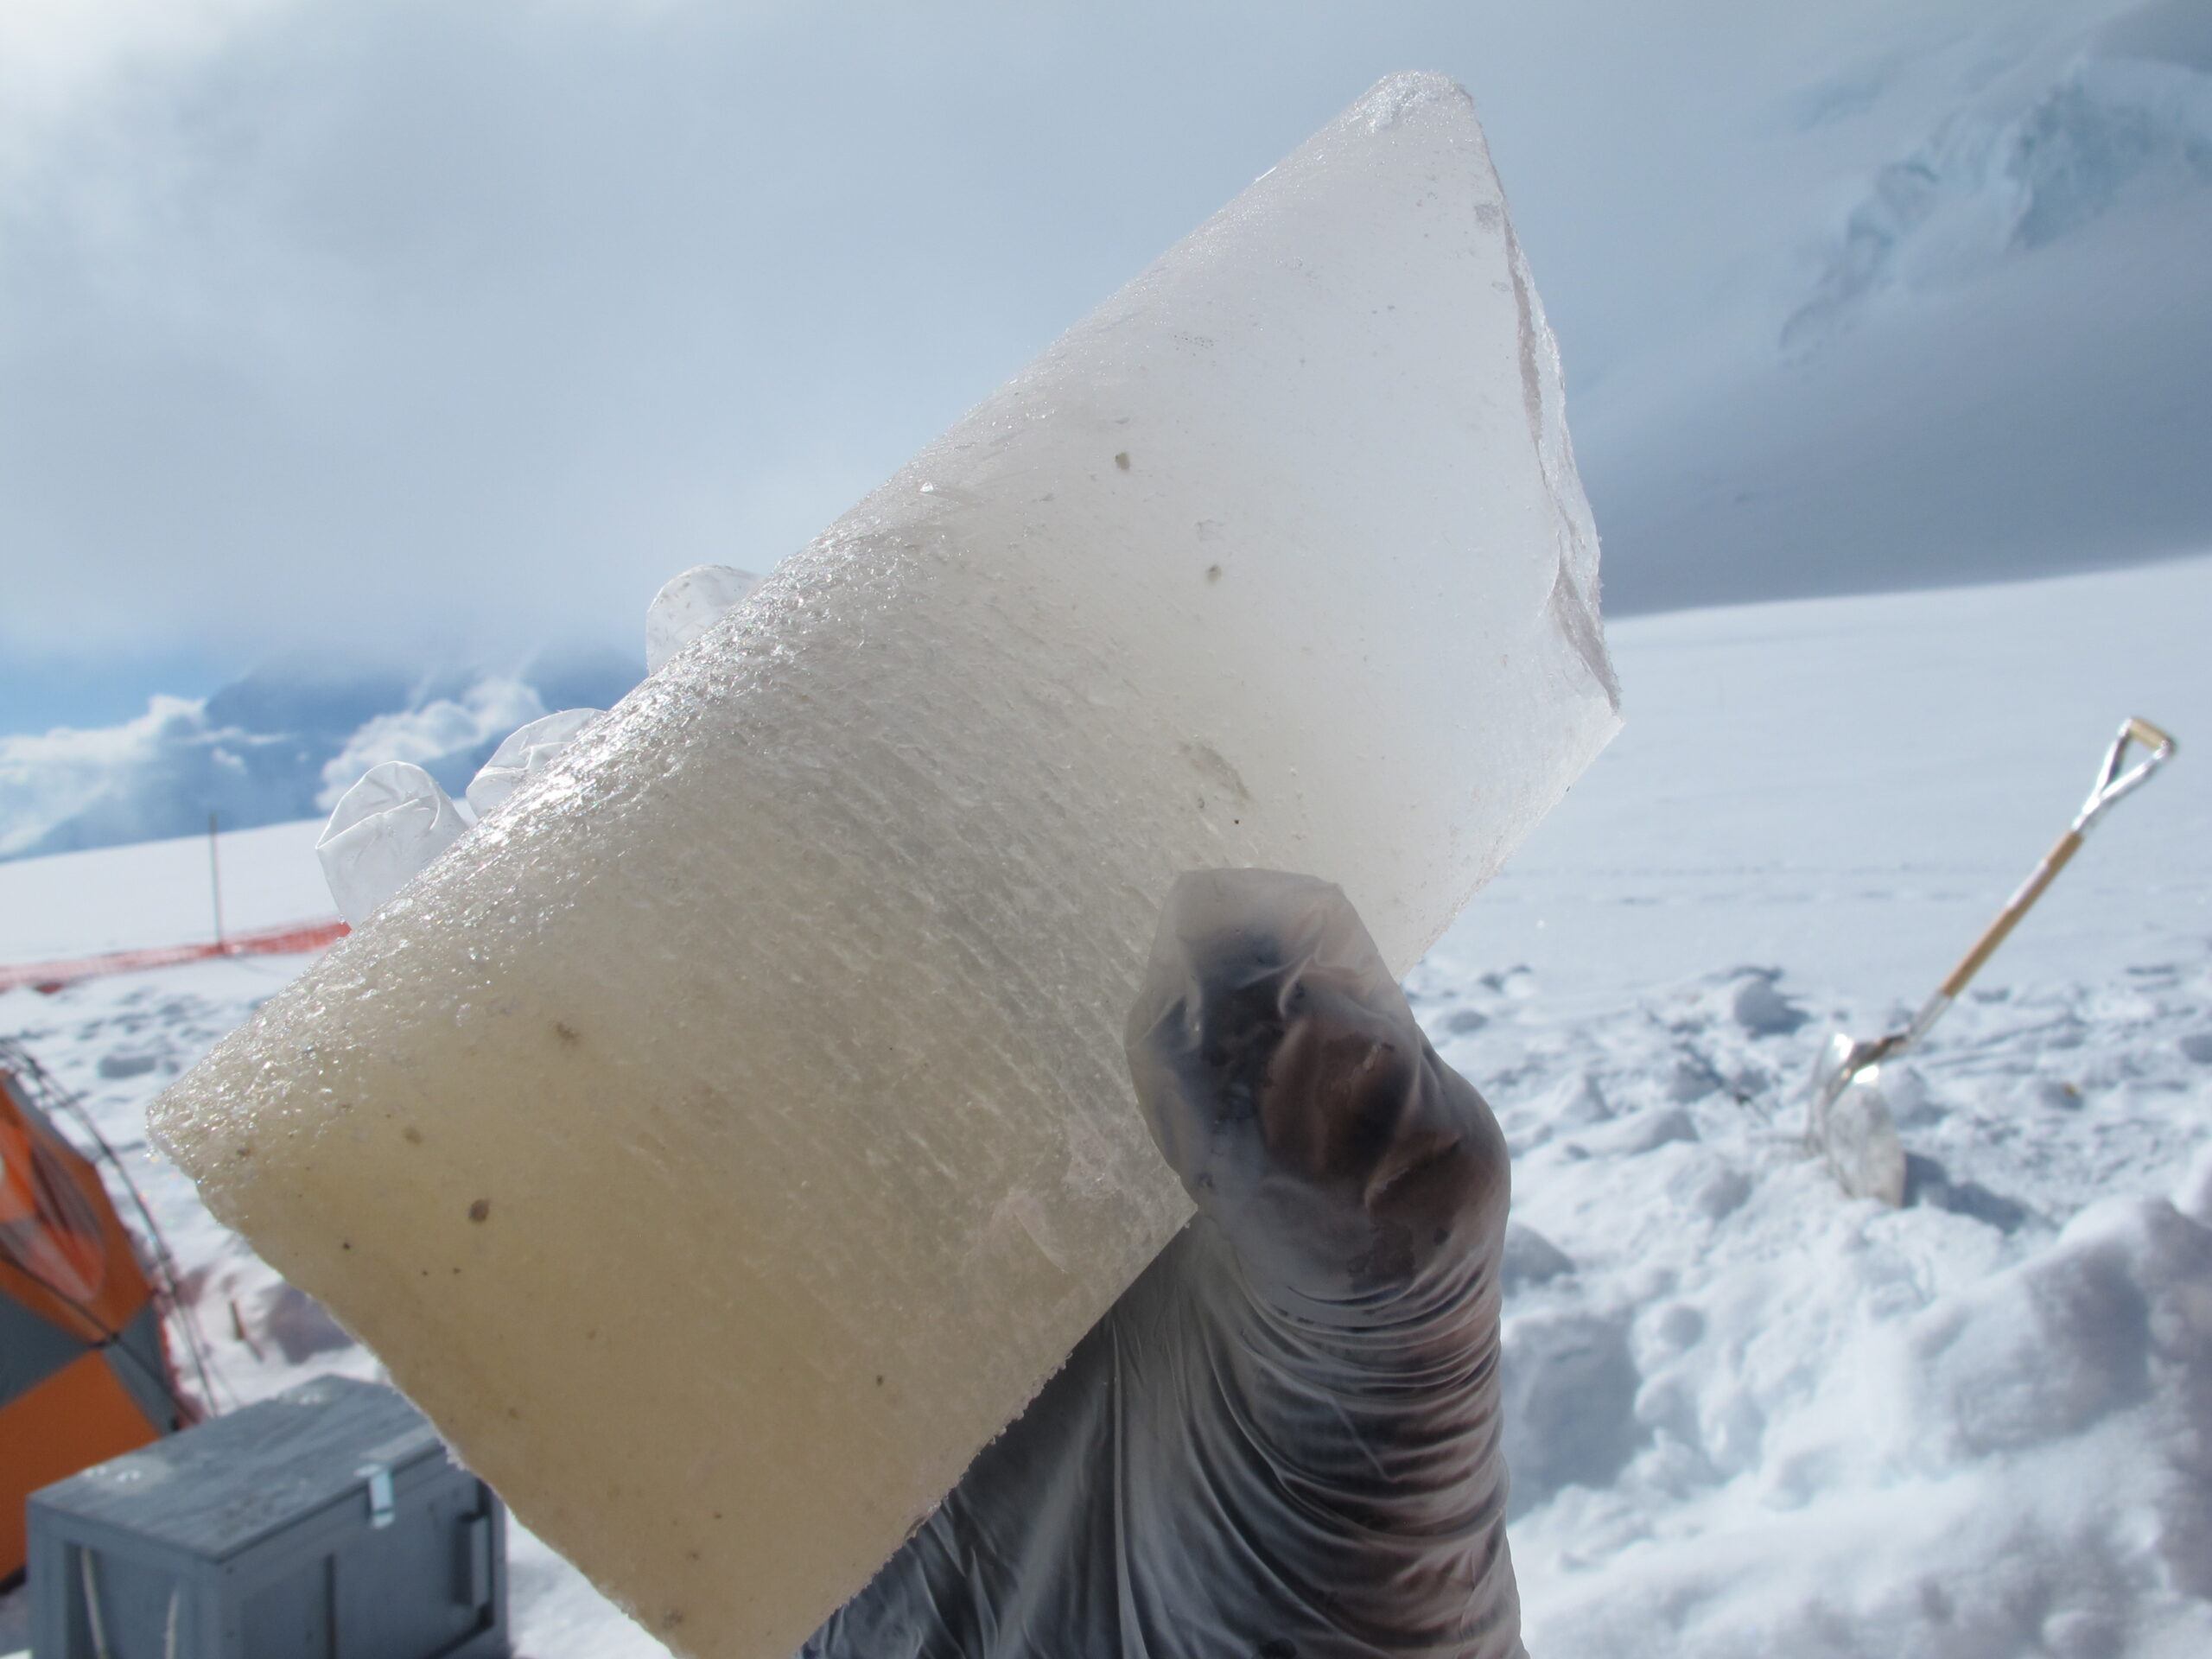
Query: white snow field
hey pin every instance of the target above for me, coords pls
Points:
(158, 893)
(1749, 1417)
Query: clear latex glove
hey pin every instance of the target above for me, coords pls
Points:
(1282, 1441)
(384, 831)
(530, 748)
(687, 605)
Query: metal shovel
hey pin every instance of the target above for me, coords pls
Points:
(1848, 1123)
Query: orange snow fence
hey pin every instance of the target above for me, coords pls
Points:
(269, 942)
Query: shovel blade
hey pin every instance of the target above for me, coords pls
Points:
(1838, 1057)
(1859, 1142)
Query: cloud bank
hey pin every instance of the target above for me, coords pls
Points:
(453, 329)
(282, 743)
(394, 331)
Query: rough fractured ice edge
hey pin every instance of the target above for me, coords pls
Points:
(1574, 595)
(1572, 603)
(1395, 97)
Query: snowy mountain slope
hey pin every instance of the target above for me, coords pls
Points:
(2051, 416)
(158, 893)
(1997, 359)
(1747, 1416)
(2037, 153)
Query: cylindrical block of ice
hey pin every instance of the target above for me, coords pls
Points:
(725, 1140)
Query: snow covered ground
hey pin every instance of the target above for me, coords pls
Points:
(1749, 1417)
(160, 892)
(1851, 786)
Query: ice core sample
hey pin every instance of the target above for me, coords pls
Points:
(725, 1140)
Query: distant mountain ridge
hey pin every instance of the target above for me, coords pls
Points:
(1995, 363)
(281, 742)
(2126, 121)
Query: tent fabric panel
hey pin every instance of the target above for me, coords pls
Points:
(117, 1303)
(140, 1359)
(124, 1289)
(49, 1225)
(31, 1349)
(80, 1416)
(26, 1292)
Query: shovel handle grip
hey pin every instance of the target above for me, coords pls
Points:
(2149, 735)
(2009, 918)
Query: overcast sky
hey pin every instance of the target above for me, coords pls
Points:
(416, 325)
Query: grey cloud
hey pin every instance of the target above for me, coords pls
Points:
(441, 331)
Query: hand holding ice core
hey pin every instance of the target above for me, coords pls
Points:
(798, 972)
(1282, 1440)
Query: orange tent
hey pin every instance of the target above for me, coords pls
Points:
(84, 1370)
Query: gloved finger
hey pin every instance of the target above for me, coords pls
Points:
(1359, 1179)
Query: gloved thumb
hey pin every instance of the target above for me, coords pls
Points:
(1358, 1180)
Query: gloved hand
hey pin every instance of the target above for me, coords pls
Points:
(1282, 1441)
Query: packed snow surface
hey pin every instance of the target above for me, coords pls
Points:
(1748, 1416)
(160, 892)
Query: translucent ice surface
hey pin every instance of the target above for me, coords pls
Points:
(724, 1141)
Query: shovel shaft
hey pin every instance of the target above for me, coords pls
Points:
(2009, 918)
(2112, 786)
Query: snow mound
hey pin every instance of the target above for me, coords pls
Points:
(1749, 1416)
